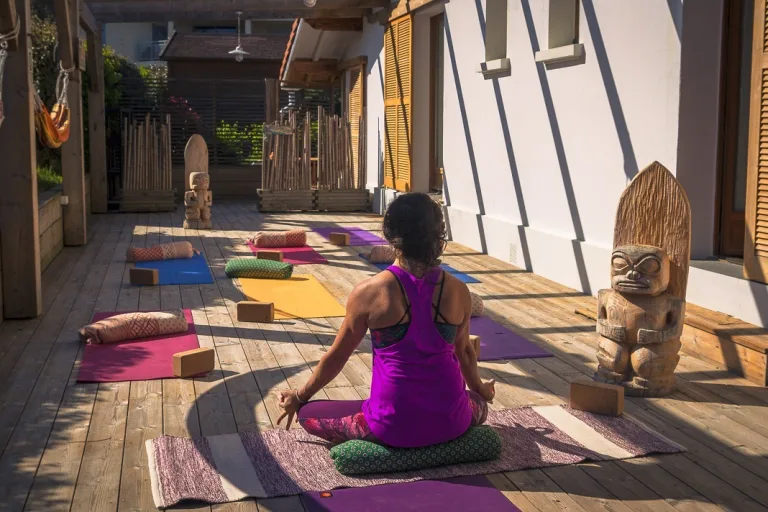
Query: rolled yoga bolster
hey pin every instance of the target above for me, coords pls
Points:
(477, 305)
(382, 254)
(170, 251)
(255, 268)
(293, 238)
(130, 326)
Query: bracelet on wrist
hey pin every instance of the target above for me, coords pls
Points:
(298, 397)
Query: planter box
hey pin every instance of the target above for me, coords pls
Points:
(285, 200)
(342, 200)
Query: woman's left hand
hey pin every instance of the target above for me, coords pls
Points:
(290, 403)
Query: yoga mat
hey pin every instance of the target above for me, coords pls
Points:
(357, 236)
(295, 255)
(143, 359)
(301, 296)
(192, 270)
(461, 276)
(459, 494)
(498, 342)
(219, 469)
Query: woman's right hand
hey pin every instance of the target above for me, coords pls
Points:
(487, 390)
(290, 403)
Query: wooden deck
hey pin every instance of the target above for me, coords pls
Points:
(80, 447)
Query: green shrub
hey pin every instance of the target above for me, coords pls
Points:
(47, 178)
(244, 144)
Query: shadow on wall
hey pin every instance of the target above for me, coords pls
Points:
(622, 131)
(467, 134)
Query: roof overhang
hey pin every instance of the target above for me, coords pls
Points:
(124, 11)
(315, 51)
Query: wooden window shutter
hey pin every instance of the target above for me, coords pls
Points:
(756, 236)
(398, 72)
(355, 111)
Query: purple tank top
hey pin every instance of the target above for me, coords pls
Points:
(417, 391)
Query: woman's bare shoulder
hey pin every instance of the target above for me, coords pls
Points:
(372, 287)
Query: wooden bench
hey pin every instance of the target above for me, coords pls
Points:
(716, 337)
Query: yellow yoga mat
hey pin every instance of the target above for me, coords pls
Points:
(301, 296)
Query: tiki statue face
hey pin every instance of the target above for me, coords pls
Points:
(639, 270)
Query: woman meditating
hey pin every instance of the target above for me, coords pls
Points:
(418, 316)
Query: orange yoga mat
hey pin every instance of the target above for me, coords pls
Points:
(301, 296)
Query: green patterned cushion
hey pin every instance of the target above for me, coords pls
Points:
(363, 457)
(255, 268)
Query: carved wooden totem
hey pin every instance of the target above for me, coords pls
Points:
(198, 197)
(640, 319)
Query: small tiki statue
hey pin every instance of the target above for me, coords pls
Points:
(640, 319)
(197, 198)
(198, 202)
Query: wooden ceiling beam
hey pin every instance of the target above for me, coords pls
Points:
(87, 20)
(178, 10)
(336, 24)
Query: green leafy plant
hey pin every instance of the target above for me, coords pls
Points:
(47, 178)
(244, 143)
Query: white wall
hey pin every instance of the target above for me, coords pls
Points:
(125, 38)
(535, 162)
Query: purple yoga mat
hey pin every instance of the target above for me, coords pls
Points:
(357, 236)
(294, 255)
(498, 342)
(460, 494)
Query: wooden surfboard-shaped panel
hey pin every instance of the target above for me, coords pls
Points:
(654, 210)
(195, 158)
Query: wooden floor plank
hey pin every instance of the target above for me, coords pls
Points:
(82, 447)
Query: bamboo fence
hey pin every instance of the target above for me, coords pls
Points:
(287, 157)
(147, 155)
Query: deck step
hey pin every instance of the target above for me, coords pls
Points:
(716, 337)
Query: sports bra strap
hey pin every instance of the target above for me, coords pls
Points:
(405, 299)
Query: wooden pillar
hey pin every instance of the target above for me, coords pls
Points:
(72, 161)
(19, 230)
(272, 99)
(97, 137)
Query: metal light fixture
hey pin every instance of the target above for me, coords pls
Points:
(238, 52)
(310, 3)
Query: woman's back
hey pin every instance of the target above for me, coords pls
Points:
(417, 392)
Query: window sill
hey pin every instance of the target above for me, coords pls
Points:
(560, 54)
(494, 68)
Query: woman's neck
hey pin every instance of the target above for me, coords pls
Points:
(416, 271)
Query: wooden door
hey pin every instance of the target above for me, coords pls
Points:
(437, 41)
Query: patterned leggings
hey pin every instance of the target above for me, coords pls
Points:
(337, 421)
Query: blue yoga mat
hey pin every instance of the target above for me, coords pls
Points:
(181, 271)
(461, 276)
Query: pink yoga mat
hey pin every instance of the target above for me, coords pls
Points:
(294, 255)
(144, 359)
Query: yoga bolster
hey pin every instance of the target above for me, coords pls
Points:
(294, 238)
(130, 326)
(382, 254)
(364, 457)
(256, 268)
(160, 252)
(477, 305)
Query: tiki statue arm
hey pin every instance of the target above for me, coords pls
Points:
(675, 314)
(617, 333)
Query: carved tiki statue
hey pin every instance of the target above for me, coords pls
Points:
(640, 319)
(197, 198)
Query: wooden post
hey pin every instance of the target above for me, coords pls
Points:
(19, 230)
(97, 137)
(72, 161)
(272, 99)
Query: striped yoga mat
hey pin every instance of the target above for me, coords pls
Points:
(220, 469)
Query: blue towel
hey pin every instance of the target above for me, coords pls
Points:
(192, 270)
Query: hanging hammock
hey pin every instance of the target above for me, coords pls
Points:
(53, 127)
